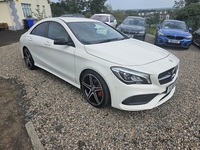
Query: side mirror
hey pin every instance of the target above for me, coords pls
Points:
(61, 41)
(64, 41)
(190, 29)
(158, 26)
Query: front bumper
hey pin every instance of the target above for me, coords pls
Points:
(136, 97)
(164, 41)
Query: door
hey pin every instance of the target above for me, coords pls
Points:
(57, 59)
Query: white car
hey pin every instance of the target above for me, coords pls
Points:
(109, 68)
(107, 18)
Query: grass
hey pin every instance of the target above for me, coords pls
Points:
(151, 29)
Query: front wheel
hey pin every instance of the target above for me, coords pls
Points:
(95, 89)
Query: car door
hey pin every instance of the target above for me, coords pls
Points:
(57, 59)
(60, 57)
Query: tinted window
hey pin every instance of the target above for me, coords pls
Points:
(135, 21)
(102, 18)
(94, 32)
(40, 30)
(174, 25)
(56, 30)
(112, 18)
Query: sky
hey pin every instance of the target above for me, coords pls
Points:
(138, 4)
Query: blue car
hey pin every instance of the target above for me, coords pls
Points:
(173, 33)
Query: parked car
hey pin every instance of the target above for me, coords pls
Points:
(109, 68)
(134, 27)
(107, 18)
(73, 15)
(173, 33)
(196, 37)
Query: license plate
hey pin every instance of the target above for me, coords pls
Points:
(170, 87)
(174, 41)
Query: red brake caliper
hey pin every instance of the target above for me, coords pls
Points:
(99, 93)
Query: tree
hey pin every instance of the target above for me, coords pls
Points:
(87, 7)
(191, 15)
(179, 4)
(188, 2)
(57, 9)
(183, 3)
(96, 6)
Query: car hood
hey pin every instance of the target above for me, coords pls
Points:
(127, 52)
(131, 27)
(175, 32)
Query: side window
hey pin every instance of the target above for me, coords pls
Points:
(40, 30)
(112, 18)
(56, 30)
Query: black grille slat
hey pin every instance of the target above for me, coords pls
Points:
(167, 76)
(175, 37)
(170, 37)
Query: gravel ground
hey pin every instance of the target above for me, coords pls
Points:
(64, 120)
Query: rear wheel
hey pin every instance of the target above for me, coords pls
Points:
(95, 89)
(28, 59)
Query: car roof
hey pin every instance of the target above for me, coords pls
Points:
(102, 14)
(172, 20)
(70, 19)
(135, 17)
(73, 15)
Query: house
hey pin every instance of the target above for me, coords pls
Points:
(14, 12)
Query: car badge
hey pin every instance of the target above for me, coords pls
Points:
(170, 60)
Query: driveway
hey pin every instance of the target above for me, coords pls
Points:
(8, 37)
(64, 120)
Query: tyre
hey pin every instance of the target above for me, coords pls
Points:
(28, 59)
(95, 89)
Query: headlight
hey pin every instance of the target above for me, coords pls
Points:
(189, 37)
(160, 33)
(141, 32)
(129, 76)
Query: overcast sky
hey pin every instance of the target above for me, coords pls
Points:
(138, 4)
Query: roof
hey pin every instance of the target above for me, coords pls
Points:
(102, 14)
(70, 19)
(135, 17)
(171, 20)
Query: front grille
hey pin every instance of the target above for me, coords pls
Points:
(175, 37)
(129, 32)
(167, 76)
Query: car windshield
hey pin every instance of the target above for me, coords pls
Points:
(174, 25)
(134, 21)
(94, 32)
(101, 18)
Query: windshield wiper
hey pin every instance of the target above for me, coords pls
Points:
(109, 40)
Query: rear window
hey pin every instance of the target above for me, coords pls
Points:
(101, 18)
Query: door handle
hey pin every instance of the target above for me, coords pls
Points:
(47, 43)
(30, 39)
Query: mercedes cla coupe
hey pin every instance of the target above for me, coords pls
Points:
(173, 33)
(109, 68)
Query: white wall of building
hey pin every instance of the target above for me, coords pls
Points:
(11, 12)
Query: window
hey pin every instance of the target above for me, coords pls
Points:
(112, 18)
(26, 8)
(56, 30)
(40, 30)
